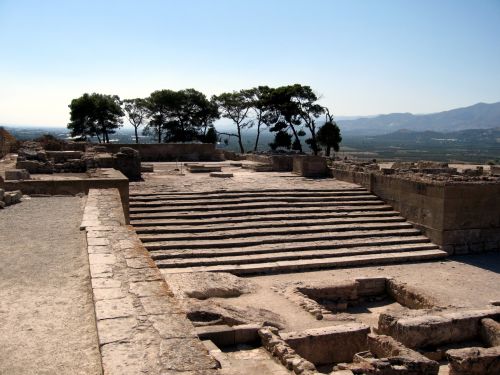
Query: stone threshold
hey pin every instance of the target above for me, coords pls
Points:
(140, 325)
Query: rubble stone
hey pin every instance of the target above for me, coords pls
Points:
(474, 361)
(17, 174)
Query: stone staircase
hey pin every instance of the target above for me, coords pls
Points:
(262, 231)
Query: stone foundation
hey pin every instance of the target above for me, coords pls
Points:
(434, 329)
(474, 361)
(171, 151)
(461, 217)
(141, 327)
(329, 344)
(310, 166)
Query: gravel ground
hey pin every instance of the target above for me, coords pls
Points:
(47, 323)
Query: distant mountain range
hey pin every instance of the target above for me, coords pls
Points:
(477, 116)
(481, 136)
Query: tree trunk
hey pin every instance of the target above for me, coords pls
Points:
(296, 138)
(328, 149)
(159, 135)
(257, 138)
(136, 135)
(242, 150)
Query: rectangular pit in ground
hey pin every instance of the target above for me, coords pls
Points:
(364, 297)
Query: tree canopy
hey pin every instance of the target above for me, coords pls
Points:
(136, 112)
(235, 106)
(291, 112)
(329, 135)
(95, 115)
(179, 116)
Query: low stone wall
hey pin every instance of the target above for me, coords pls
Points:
(460, 217)
(474, 361)
(310, 166)
(385, 348)
(141, 326)
(171, 151)
(104, 178)
(435, 329)
(329, 344)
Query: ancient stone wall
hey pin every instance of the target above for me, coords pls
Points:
(462, 217)
(140, 325)
(172, 151)
(309, 166)
(99, 179)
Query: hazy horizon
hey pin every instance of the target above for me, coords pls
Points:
(363, 58)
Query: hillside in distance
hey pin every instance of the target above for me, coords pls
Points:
(477, 116)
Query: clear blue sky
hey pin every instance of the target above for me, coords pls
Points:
(363, 57)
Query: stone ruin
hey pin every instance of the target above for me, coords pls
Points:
(9, 197)
(422, 170)
(417, 338)
(35, 160)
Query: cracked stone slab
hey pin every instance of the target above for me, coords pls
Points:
(118, 329)
(97, 241)
(175, 354)
(99, 249)
(139, 263)
(101, 270)
(98, 283)
(108, 293)
(158, 305)
(148, 288)
(172, 326)
(102, 259)
(145, 274)
(114, 308)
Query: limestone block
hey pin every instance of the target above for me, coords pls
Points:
(310, 166)
(329, 344)
(490, 332)
(17, 174)
(221, 174)
(128, 162)
(435, 330)
(386, 347)
(12, 197)
(474, 361)
(147, 167)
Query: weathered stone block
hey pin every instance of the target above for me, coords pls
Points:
(310, 166)
(386, 347)
(474, 361)
(329, 344)
(17, 174)
(434, 330)
(490, 332)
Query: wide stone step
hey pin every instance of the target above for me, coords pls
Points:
(246, 191)
(260, 211)
(265, 219)
(247, 233)
(229, 243)
(306, 222)
(267, 200)
(316, 263)
(288, 255)
(254, 195)
(295, 246)
(249, 206)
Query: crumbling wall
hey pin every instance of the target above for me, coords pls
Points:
(171, 151)
(459, 212)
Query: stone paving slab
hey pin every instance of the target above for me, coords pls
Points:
(141, 327)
